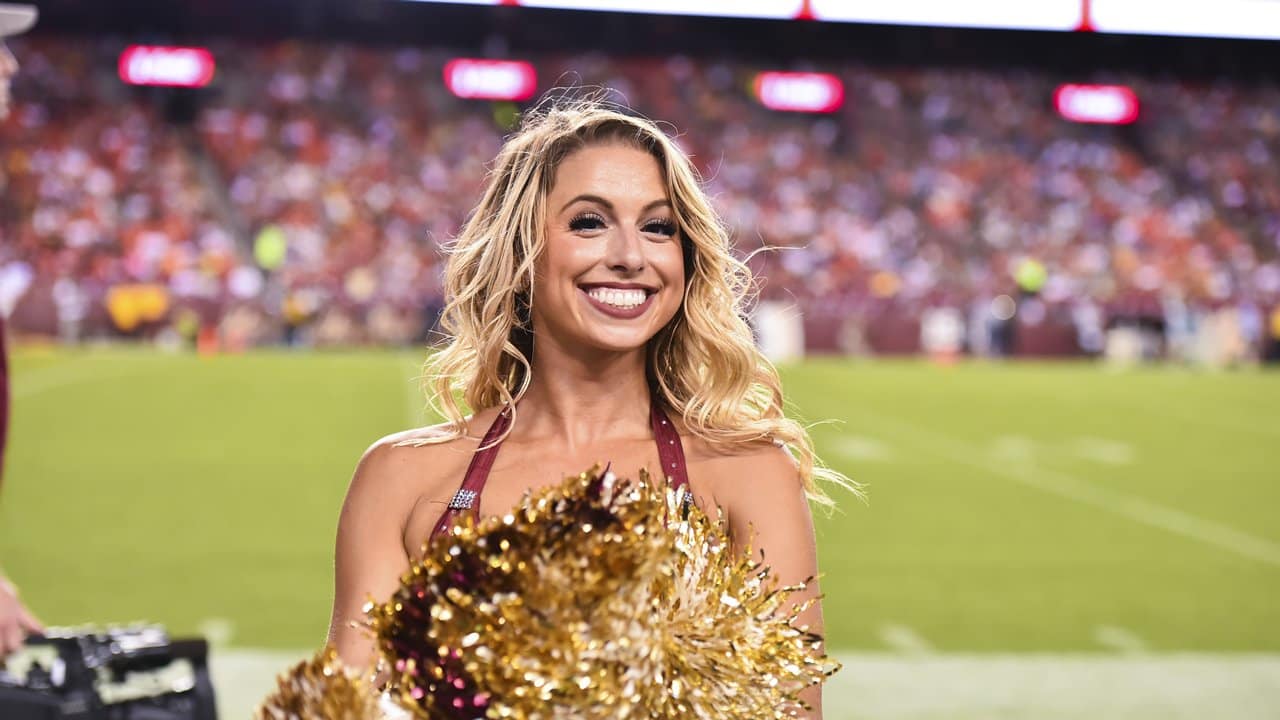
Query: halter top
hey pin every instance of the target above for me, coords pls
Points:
(467, 498)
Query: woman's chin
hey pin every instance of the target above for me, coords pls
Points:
(617, 342)
(620, 347)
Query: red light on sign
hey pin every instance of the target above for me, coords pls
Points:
(168, 66)
(1108, 104)
(491, 79)
(799, 91)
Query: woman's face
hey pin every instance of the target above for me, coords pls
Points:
(612, 272)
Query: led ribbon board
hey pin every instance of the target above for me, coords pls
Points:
(1104, 104)
(166, 66)
(491, 79)
(1027, 14)
(1256, 19)
(775, 9)
(1005, 14)
(799, 91)
(1221, 18)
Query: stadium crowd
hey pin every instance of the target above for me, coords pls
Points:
(310, 200)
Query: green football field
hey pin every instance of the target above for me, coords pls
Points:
(1041, 531)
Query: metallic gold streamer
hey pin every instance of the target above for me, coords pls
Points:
(598, 598)
(320, 689)
(585, 602)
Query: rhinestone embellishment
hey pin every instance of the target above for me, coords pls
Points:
(463, 499)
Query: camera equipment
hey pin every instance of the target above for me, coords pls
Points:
(130, 673)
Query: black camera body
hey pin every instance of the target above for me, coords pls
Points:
(131, 673)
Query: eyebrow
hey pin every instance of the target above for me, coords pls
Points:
(601, 201)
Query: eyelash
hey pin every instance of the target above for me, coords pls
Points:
(580, 222)
(666, 227)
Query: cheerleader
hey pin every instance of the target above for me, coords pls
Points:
(595, 314)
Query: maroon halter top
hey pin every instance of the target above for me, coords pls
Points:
(467, 498)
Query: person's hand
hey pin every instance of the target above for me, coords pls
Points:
(16, 622)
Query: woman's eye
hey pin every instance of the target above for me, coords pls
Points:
(661, 227)
(586, 222)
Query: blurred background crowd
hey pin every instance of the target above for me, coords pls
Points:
(308, 197)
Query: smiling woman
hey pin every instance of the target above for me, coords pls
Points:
(596, 315)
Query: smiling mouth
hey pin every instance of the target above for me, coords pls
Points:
(624, 299)
(616, 302)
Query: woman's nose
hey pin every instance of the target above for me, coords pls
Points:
(625, 251)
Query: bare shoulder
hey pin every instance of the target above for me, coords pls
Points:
(400, 469)
(737, 476)
(739, 465)
(408, 477)
(420, 453)
(397, 460)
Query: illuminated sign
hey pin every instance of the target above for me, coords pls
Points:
(1107, 104)
(166, 66)
(491, 79)
(799, 92)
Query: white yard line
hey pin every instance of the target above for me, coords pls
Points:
(1104, 451)
(1148, 512)
(891, 686)
(218, 631)
(1013, 449)
(1135, 508)
(861, 448)
(905, 640)
(1119, 639)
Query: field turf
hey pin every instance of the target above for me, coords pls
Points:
(1013, 509)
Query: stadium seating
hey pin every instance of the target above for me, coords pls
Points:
(310, 200)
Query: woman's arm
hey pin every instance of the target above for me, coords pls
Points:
(766, 506)
(16, 621)
(370, 557)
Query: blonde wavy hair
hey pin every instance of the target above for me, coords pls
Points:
(703, 364)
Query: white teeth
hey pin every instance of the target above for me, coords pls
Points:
(618, 298)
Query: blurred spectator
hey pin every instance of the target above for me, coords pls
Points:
(1273, 337)
(100, 192)
(323, 181)
(16, 621)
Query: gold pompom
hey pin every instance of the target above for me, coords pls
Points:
(598, 598)
(320, 689)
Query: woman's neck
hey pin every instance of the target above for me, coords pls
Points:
(577, 401)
